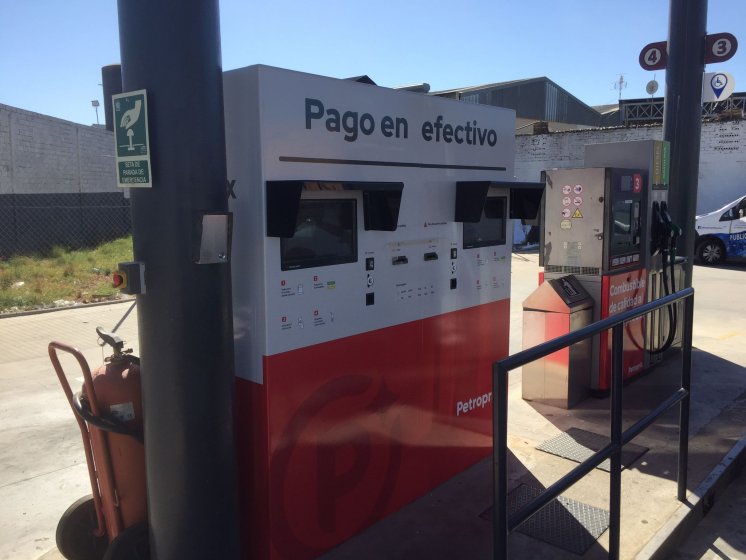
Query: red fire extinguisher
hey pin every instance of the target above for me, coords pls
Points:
(111, 523)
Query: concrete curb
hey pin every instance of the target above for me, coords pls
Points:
(66, 308)
(698, 503)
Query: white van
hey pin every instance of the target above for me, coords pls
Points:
(722, 234)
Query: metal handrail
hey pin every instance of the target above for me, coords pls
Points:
(502, 524)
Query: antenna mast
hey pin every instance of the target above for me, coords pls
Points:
(620, 85)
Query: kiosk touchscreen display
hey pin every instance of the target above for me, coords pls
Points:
(325, 234)
(490, 229)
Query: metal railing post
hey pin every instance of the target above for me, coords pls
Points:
(686, 375)
(500, 462)
(615, 473)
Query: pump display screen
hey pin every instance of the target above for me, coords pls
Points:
(325, 234)
(625, 216)
(490, 229)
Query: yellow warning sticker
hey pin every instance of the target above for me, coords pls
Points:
(577, 213)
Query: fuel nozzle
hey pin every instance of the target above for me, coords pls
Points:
(672, 231)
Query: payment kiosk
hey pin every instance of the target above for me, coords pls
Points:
(371, 283)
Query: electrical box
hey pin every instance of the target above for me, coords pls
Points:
(371, 283)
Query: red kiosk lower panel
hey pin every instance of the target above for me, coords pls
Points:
(343, 433)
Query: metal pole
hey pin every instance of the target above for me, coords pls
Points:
(500, 462)
(111, 81)
(172, 50)
(682, 115)
(686, 375)
(615, 473)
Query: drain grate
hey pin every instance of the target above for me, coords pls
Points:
(577, 445)
(567, 524)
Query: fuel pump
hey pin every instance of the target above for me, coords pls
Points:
(608, 225)
(594, 229)
(663, 269)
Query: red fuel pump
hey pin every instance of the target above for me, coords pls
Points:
(111, 524)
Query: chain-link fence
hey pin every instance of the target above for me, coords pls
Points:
(34, 223)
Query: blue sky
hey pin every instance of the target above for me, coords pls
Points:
(53, 50)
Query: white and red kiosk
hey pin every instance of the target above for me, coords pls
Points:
(371, 283)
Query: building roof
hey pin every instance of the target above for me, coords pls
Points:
(496, 85)
(605, 109)
(539, 99)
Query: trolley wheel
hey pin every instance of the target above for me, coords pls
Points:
(131, 544)
(710, 251)
(75, 538)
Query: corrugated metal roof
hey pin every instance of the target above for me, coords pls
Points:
(604, 109)
(532, 98)
(496, 85)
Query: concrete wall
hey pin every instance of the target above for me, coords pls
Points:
(40, 154)
(57, 184)
(722, 164)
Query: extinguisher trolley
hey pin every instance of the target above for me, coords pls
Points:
(111, 523)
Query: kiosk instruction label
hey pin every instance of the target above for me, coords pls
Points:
(132, 139)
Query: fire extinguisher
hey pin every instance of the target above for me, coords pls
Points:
(111, 523)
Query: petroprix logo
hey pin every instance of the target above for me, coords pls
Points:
(332, 476)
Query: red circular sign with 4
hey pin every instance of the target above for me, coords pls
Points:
(654, 56)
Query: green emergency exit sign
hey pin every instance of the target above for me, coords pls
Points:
(132, 140)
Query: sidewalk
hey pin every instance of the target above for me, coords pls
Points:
(42, 467)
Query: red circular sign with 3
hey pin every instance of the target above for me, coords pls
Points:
(637, 183)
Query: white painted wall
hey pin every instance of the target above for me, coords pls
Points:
(722, 163)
